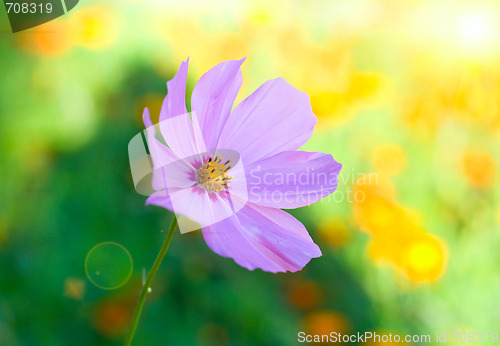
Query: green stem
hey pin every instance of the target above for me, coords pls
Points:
(149, 279)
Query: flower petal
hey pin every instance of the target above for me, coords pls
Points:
(160, 199)
(175, 102)
(181, 134)
(292, 179)
(213, 98)
(262, 237)
(274, 118)
(200, 206)
(168, 168)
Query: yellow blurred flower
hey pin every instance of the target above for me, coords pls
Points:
(397, 237)
(333, 107)
(425, 258)
(378, 215)
(479, 168)
(334, 232)
(153, 102)
(376, 210)
(421, 115)
(422, 257)
(330, 106)
(260, 17)
(228, 45)
(337, 89)
(462, 92)
(374, 185)
(331, 59)
(389, 159)
(387, 248)
(93, 27)
(363, 85)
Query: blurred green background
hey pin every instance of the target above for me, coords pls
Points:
(407, 93)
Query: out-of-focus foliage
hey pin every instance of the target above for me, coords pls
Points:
(407, 94)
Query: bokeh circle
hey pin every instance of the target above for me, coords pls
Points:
(108, 265)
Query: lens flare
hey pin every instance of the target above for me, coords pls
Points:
(108, 265)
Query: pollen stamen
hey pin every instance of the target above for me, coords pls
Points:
(213, 174)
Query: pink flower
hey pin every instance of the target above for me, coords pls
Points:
(200, 173)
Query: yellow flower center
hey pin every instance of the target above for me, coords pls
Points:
(213, 174)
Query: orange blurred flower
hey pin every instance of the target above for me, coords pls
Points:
(398, 239)
(378, 215)
(112, 317)
(375, 208)
(50, 39)
(213, 334)
(479, 168)
(323, 322)
(74, 288)
(305, 294)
